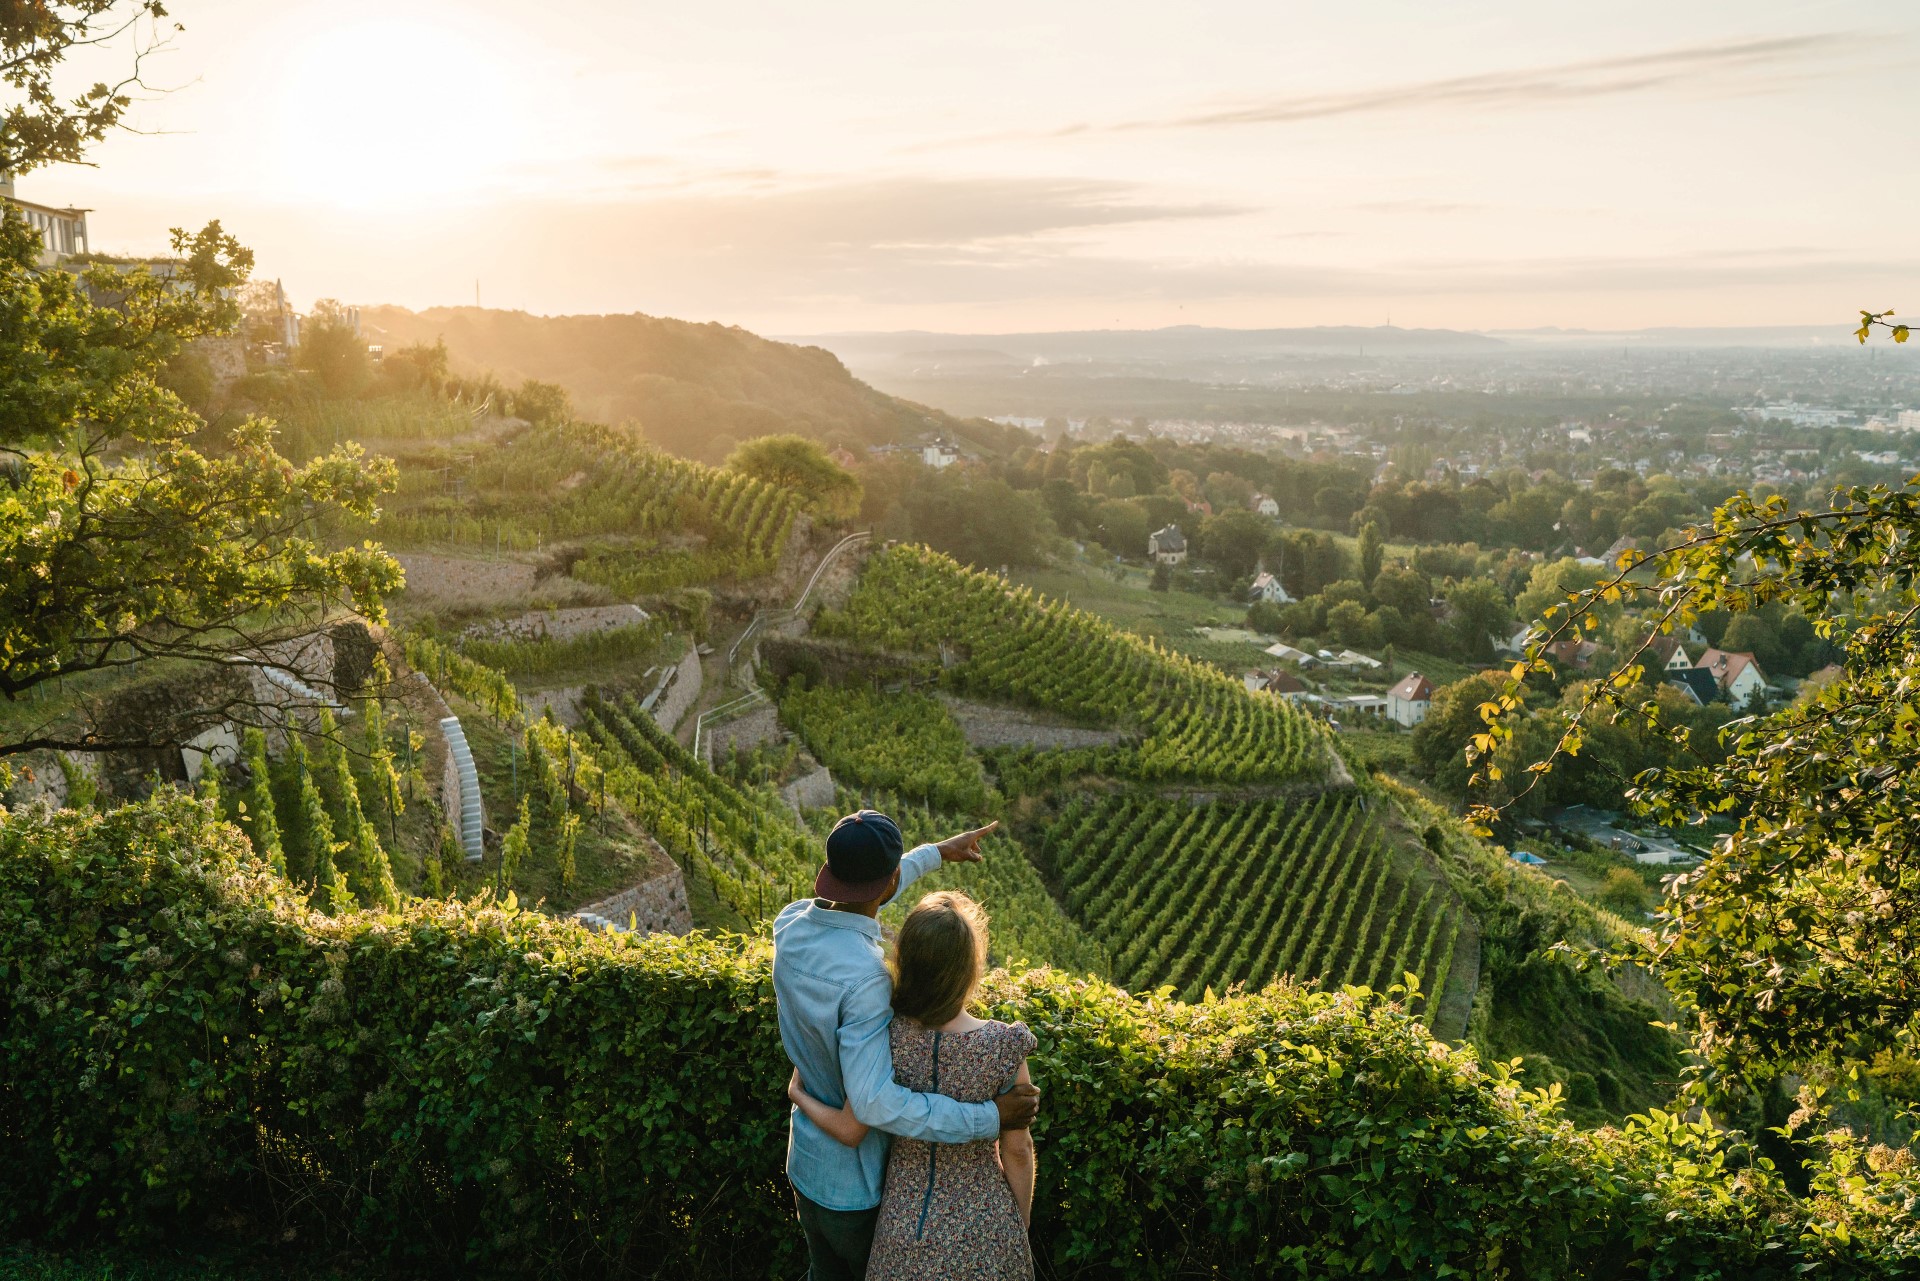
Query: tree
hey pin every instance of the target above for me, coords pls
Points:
(332, 348)
(1623, 892)
(1235, 540)
(1456, 717)
(799, 464)
(1352, 625)
(42, 128)
(1162, 577)
(1477, 612)
(383, 778)
(417, 367)
(120, 541)
(1794, 947)
(1373, 549)
(542, 404)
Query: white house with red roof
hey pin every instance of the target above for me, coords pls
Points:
(1737, 675)
(1409, 701)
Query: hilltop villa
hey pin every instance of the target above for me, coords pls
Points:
(63, 232)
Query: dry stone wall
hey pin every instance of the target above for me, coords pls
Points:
(760, 724)
(561, 624)
(654, 906)
(681, 693)
(987, 726)
(809, 791)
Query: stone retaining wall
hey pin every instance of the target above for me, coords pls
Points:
(654, 906)
(809, 791)
(561, 624)
(759, 724)
(682, 694)
(990, 726)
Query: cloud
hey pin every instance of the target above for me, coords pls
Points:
(907, 252)
(1724, 63)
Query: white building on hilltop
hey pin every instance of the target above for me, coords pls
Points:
(63, 232)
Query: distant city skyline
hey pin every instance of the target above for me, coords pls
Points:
(1023, 167)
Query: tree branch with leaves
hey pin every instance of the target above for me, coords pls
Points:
(120, 541)
(42, 127)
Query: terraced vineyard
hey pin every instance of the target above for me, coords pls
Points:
(1198, 896)
(670, 522)
(1195, 722)
(741, 841)
(906, 743)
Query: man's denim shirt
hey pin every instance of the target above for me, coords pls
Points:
(836, 1002)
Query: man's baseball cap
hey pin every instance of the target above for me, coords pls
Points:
(863, 850)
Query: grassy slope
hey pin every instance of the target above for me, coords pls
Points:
(696, 388)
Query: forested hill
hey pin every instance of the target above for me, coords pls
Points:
(695, 389)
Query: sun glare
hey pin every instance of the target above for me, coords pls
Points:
(400, 113)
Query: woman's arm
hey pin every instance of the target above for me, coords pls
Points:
(838, 1123)
(1018, 1160)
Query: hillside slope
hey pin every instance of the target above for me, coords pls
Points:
(695, 389)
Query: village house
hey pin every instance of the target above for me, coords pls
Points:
(1278, 683)
(939, 453)
(1697, 682)
(1167, 546)
(1264, 504)
(1408, 702)
(1269, 588)
(1668, 653)
(1573, 653)
(1737, 675)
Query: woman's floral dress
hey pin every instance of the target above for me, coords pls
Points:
(948, 1213)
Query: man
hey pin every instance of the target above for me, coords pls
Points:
(835, 999)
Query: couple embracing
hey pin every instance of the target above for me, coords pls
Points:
(909, 1152)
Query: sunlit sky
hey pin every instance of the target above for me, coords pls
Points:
(847, 165)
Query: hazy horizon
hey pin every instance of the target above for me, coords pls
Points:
(1028, 168)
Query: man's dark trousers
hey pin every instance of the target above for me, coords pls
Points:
(838, 1241)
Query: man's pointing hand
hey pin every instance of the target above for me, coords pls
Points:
(965, 848)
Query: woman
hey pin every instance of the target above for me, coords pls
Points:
(958, 1210)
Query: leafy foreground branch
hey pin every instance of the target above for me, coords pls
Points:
(187, 1052)
(1793, 949)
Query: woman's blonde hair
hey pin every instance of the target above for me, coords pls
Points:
(938, 958)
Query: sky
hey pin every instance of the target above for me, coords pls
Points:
(847, 165)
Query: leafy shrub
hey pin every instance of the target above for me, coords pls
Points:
(188, 1052)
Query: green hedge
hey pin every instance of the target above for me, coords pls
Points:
(189, 1053)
